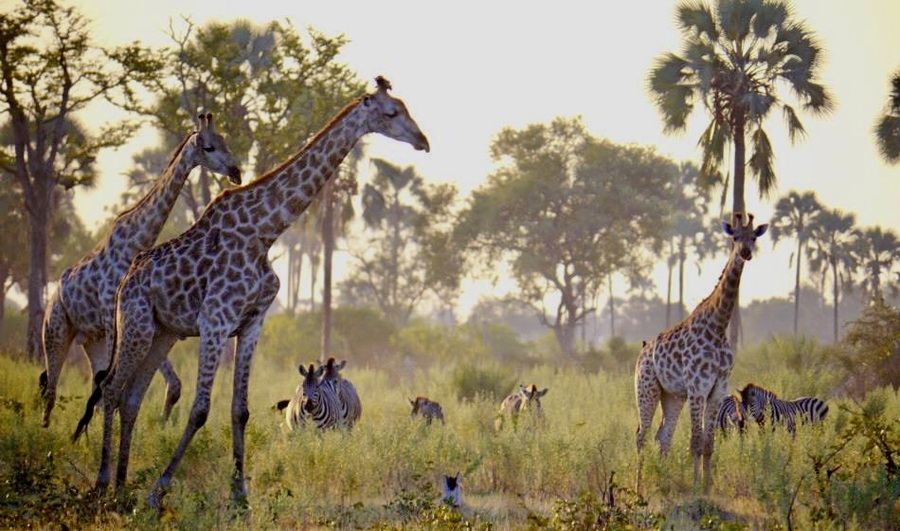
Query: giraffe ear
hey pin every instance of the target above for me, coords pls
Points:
(729, 230)
(761, 230)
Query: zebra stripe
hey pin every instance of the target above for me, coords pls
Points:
(351, 406)
(526, 399)
(760, 400)
(313, 403)
(731, 414)
(429, 409)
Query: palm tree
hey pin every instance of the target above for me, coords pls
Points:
(887, 130)
(831, 235)
(877, 251)
(793, 216)
(735, 58)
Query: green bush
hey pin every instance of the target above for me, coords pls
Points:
(472, 380)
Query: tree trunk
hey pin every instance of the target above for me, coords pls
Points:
(737, 206)
(327, 250)
(669, 286)
(797, 286)
(612, 310)
(38, 209)
(681, 285)
(834, 292)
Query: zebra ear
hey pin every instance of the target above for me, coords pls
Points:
(543, 392)
(302, 370)
(340, 366)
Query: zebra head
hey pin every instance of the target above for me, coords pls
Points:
(754, 398)
(332, 373)
(311, 388)
(744, 236)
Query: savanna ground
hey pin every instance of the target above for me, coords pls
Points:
(577, 470)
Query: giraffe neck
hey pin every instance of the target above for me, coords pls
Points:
(139, 226)
(721, 301)
(265, 208)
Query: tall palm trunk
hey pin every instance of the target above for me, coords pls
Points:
(797, 282)
(737, 206)
(327, 251)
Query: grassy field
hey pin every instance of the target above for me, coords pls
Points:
(576, 470)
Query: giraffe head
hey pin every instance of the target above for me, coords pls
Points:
(388, 115)
(214, 153)
(744, 236)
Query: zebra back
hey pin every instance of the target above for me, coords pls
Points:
(760, 400)
(313, 403)
(350, 404)
(429, 409)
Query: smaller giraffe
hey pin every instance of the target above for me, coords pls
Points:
(81, 310)
(692, 360)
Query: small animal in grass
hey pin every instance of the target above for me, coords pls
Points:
(313, 402)
(429, 409)
(731, 414)
(451, 493)
(526, 399)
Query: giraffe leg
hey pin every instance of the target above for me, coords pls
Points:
(697, 406)
(671, 410)
(58, 335)
(173, 387)
(709, 436)
(647, 394)
(240, 413)
(211, 345)
(133, 396)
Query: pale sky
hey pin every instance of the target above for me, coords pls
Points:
(467, 69)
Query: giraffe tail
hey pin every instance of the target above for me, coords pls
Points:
(88, 412)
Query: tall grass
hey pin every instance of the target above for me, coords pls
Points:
(577, 468)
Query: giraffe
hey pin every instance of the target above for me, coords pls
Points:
(692, 360)
(215, 281)
(81, 310)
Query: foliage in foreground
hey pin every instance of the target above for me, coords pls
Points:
(574, 470)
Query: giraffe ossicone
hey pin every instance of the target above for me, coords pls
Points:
(192, 287)
(692, 360)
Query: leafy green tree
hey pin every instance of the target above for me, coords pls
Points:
(735, 58)
(877, 253)
(831, 238)
(887, 130)
(408, 222)
(871, 351)
(565, 211)
(50, 70)
(794, 217)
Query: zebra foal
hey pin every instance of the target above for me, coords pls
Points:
(731, 414)
(759, 401)
(525, 399)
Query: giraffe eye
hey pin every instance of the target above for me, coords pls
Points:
(209, 149)
(391, 114)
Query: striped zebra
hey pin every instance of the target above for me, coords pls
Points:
(351, 407)
(313, 402)
(759, 400)
(525, 399)
(731, 414)
(429, 409)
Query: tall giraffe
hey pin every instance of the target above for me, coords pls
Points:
(82, 308)
(691, 361)
(215, 281)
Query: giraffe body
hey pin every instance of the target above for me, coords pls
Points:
(82, 309)
(691, 361)
(214, 281)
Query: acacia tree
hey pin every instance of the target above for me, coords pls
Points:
(735, 59)
(50, 70)
(831, 240)
(406, 257)
(887, 129)
(565, 210)
(794, 217)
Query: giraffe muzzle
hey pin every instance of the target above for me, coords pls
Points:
(234, 175)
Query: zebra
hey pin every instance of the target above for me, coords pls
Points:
(731, 414)
(313, 402)
(525, 399)
(758, 400)
(351, 407)
(429, 409)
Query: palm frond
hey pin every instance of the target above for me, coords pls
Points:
(794, 126)
(761, 161)
(769, 16)
(735, 17)
(887, 132)
(696, 18)
(668, 70)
